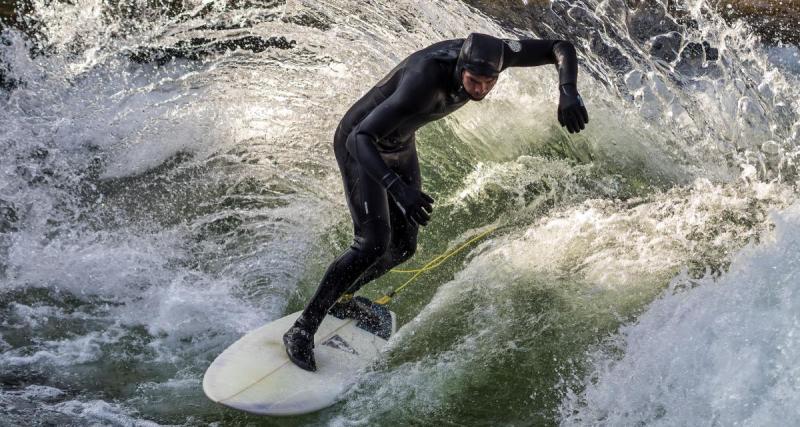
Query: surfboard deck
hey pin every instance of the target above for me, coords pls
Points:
(255, 375)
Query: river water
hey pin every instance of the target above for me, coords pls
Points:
(167, 184)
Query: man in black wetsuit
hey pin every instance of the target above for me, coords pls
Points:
(375, 148)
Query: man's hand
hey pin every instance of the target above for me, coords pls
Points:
(416, 205)
(571, 111)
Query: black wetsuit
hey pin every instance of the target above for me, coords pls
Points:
(375, 139)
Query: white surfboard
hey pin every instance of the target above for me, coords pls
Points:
(255, 375)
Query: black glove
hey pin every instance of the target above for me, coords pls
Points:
(571, 111)
(414, 204)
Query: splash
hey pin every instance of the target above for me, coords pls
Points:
(713, 348)
(168, 184)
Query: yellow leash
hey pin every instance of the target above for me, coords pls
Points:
(429, 266)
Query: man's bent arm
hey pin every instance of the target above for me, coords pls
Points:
(531, 53)
(572, 112)
(412, 96)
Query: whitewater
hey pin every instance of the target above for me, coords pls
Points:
(167, 183)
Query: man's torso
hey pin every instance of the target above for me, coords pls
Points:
(446, 99)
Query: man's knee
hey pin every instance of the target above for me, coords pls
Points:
(373, 245)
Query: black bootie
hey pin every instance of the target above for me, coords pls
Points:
(299, 342)
(358, 308)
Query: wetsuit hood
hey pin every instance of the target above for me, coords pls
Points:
(481, 54)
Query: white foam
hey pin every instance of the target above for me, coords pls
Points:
(67, 352)
(725, 350)
(99, 411)
(40, 392)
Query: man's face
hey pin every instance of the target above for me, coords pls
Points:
(477, 86)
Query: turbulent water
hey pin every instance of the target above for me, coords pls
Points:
(168, 184)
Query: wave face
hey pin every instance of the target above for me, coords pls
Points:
(168, 184)
(721, 350)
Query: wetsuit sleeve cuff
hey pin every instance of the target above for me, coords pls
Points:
(566, 61)
(568, 88)
(389, 179)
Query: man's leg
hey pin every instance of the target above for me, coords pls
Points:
(401, 248)
(368, 247)
(404, 233)
(369, 208)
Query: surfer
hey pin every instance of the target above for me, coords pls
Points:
(375, 149)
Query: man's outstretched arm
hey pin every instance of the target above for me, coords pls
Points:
(529, 53)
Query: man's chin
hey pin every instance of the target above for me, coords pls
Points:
(474, 98)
